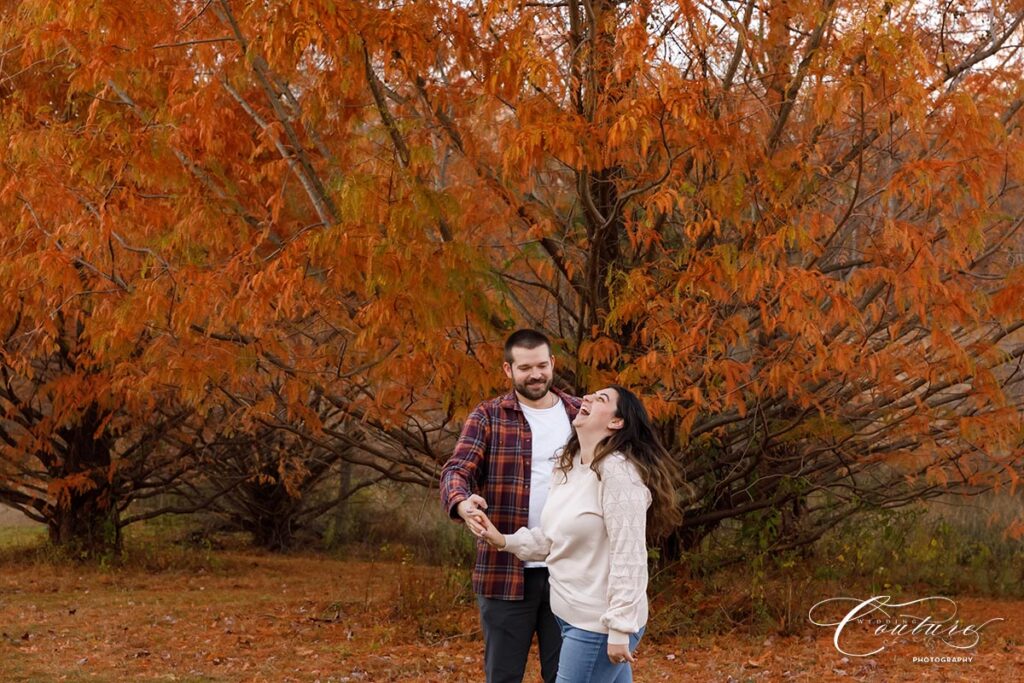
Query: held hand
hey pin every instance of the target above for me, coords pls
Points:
(490, 533)
(619, 654)
(468, 509)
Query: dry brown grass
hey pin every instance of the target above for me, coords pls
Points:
(242, 616)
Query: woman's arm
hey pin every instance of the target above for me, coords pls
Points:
(529, 545)
(624, 503)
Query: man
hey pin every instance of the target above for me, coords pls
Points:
(503, 463)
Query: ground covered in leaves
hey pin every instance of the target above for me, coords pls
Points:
(243, 616)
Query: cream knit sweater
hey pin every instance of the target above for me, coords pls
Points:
(592, 535)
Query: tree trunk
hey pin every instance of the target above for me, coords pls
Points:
(87, 525)
(273, 533)
(84, 520)
(272, 523)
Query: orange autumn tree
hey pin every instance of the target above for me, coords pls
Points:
(79, 440)
(792, 225)
(182, 241)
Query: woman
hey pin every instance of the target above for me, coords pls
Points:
(612, 486)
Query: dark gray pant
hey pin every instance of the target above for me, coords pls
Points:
(509, 626)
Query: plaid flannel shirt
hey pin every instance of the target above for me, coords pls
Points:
(492, 459)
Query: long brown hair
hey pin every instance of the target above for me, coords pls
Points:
(640, 445)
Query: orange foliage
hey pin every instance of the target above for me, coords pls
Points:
(795, 225)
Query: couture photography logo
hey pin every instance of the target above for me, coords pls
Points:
(932, 622)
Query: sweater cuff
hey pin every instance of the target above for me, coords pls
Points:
(510, 544)
(617, 637)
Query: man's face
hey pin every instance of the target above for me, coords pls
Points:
(531, 371)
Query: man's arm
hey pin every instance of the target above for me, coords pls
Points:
(462, 471)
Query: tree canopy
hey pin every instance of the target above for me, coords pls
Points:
(793, 226)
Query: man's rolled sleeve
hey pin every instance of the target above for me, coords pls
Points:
(462, 471)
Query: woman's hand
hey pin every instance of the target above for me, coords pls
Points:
(619, 654)
(490, 533)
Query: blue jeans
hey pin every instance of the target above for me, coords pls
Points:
(584, 657)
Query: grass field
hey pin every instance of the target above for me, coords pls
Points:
(187, 614)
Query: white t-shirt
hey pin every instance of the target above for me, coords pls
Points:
(551, 430)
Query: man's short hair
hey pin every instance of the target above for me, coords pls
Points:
(524, 339)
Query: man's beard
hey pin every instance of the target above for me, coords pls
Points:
(533, 391)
